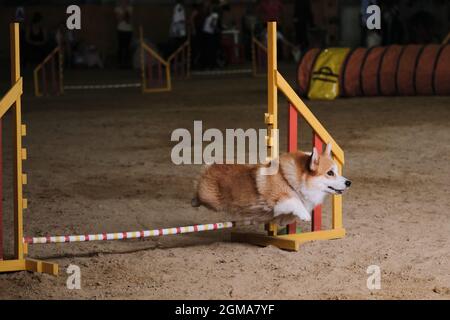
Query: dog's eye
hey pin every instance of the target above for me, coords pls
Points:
(330, 173)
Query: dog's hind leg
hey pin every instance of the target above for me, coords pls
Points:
(208, 194)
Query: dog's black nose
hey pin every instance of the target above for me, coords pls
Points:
(348, 183)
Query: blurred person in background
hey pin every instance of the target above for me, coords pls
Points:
(177, 32)
(196, 20)
(124, 15)
(203, 13)
(211, 28)
(225, 22)
(36, 39)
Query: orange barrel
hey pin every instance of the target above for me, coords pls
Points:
(441, 79)
(370, 72)
(407, 68)
(305, 68)
(350, 78)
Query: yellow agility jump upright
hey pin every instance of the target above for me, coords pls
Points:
(275, 82)
(156, 72)
(12, 102)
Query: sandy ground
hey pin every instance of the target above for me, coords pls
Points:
(100, 161)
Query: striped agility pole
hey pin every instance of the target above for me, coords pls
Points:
(103, 86)
(133, 234)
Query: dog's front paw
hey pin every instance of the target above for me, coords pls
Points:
(292, 206)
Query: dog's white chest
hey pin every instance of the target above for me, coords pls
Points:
(312, 198)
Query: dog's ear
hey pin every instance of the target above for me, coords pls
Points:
(327, 150)
(314, 161)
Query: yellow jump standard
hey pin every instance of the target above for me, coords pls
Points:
(12, 101)
(275, 82)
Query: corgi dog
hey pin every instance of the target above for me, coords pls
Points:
(301, 182)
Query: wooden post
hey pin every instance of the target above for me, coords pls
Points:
(337, 204)
(272, 103)
(18, 153)
(316, 224)
(19, 263)
(1, 191)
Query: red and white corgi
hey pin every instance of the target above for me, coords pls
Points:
(301, 183)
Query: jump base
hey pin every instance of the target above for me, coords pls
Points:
(290, 242)
(29, 265)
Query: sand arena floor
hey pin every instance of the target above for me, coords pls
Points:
(100, 161)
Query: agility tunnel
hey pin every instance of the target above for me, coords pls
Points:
(378, 71)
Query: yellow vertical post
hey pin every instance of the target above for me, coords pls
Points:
(17, 145)
(272, 110)
(337, 204)
(20, 249)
